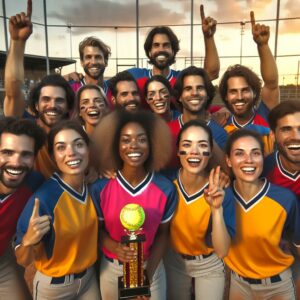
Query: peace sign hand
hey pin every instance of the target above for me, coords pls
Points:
(209, 24)
(260, 32)
(214, 194)
(20, 26)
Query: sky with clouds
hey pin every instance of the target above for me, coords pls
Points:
(121, 14)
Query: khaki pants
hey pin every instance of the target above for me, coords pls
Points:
(84, 288)
(208, 273)
(240, 289)
(12, 283)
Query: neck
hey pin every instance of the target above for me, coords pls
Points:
(192, 183)
(43, 125)
(4, 190)
(248, 189)
(134, 175)
(167, 116)
(244, 119)
(165, 72)
(188, 116)
(75, 181)
(289, 166)
(91, 80)
(89, 129)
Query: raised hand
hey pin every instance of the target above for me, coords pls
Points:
(214, 194)
(20, 26)
(125, 253)
(260, 32)
(38, 226)
(209, 24)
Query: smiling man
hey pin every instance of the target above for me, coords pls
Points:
(50, 101)
(282, 167)
(20, 140)
(242, 92)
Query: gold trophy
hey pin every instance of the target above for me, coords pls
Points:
(134, 281)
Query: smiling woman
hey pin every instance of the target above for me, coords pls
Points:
(135, 145)
(61, 215)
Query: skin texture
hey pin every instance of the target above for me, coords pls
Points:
(128, 96)
(16, 160)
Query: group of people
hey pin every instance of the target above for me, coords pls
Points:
(220, 186)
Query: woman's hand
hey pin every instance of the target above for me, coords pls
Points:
(214, 194)
(125, 253)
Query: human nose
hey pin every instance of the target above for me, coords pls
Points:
(70, 150)
(16, 159)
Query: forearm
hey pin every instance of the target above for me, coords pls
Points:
(220, 237)
(211, 59)
(25, 254)
(158, 250)
(14, 78)
(107, 242)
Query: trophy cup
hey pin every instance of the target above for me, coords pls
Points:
(134, 281)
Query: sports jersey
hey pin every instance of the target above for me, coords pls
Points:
(11, 206)
(71, 244)
(191, 225)
(276, 173)
(260, 224)
(258, 123)
(156, 194)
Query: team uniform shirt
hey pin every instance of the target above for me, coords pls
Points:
(276, 173)
(191, 225)
(260, 225)
(258, 123)
(156, 194)
(71, 244)
(11, 206)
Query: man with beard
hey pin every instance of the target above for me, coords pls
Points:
(161, 47)
(50, 101)
(240, 89)
(282, 167)
(194, 91)
(20, 140)
(125, 92)
(94, 56)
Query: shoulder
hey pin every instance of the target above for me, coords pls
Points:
(34, 180)
(139, 72)
(163, 183)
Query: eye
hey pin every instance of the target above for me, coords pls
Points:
(60, 148)
(257, 153)
(185, 145)
(203, 146)
(125, 140)
(80, 144)
(7, 152)
(142, 140)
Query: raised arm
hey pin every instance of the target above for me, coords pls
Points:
(20, 28)
(268, 68)
(211, 59)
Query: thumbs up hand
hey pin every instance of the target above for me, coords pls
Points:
(38, 226)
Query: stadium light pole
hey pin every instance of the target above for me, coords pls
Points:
(5, 25)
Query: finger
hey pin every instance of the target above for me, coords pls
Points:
(13, 20)
(36, 208)
(217, 176)
(202, 15)
(211, 179)
(29, 8)
(18, 18)
(23, 17)
(252, 18)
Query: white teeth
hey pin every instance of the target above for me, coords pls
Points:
(161, 57)
(51, 113)
(239, 104)
(93, 112)
(294, 146)
(248, 169)
(73, 162)
(193, 160)
(134, 154)
(14, 171)
(159, 105)
(131, 105)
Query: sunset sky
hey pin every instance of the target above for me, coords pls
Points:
(176, 14)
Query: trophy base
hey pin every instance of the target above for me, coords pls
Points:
(132, 293)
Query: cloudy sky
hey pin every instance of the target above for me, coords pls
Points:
(102, 17)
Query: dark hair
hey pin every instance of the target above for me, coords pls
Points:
(109, 130)
(195, 123)
(159, 78)
(283, 109)
(62, 125)
(78, 96)
(194, 71)
(121, 76)
(240, 134)
(162, 30)
(94, 42)
(240, 71)
(51, 80)
(24, 127)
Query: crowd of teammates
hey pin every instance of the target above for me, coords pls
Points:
(219, 185)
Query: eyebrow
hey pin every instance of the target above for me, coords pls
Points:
(239, 149)
(74, 141)
(200, 141)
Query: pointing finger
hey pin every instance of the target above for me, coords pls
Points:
(202, 12)
(36, 208)
(29, 8)
(252, 18)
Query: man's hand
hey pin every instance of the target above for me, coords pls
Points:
(209, 24)
(261, 33)
(74, 76)
(20, 26)
(38, 226)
